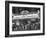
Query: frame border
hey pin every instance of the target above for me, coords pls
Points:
(7, 18)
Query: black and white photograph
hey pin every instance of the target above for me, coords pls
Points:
(25, 18)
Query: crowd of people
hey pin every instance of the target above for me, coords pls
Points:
(26, 24)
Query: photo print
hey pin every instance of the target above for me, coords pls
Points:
(25, 18)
